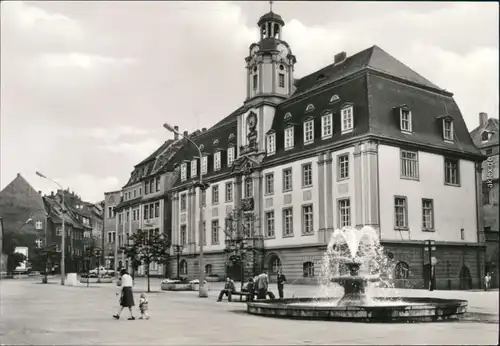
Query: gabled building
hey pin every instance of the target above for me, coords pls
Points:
(485, 136)
(363, 141)
(111, 200)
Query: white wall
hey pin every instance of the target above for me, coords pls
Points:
(454, 207)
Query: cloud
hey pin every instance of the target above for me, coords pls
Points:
(137, 150)
(107, 134)
(80, 60)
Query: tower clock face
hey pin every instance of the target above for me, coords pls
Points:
(252, 120)
(283, 50)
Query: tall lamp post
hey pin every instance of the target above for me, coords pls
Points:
(203, 292)
(178, 251)
(63, 236)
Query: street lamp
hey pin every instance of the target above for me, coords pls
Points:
(203, 293)
(178, 251)
(63, 271)
(429, 247)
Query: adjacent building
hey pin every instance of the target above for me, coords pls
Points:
(485, 136)
(111, 200)
(363, 141)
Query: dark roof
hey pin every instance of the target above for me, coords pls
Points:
(220, 137)
(374, 58)
(271, 16)
(492, 126)
(54, 210)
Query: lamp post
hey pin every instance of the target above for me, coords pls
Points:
(63, 236)
(178, 251)
(203, 293)
(429, 247)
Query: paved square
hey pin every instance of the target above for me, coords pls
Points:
(37, 314)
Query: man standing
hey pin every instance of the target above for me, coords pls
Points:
(281, 279)
(262, 284)
(487, 282)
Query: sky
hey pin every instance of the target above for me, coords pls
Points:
(86, 86)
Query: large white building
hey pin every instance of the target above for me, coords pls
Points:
(363, 141)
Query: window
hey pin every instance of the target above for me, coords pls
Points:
(400, 213)
(254, 81)
(59, 231)
(344, 216)
(326, 125)
(135, 193)
(157, 209)
(289, 138)
(230, 156)
(270, 224)
(248, 187)
(229, 192)
(157, 185)
(409, 164)
(215, 232)
(204, 198)
(307, 178)
(152, 183)
(288, 116)
(288, 222)
(111, 214)
(401, 271)
(217, 161)
(208, 269)
(451, 172)
(287, 180)
(146, 212)
(275, 264)
(140, 191)
(183, 267)
(310, 107)
(38, 225)
(462, 234)
(427, 214)
(204, 165)
(485, 136)
(183, 202)
(146, 185)
(343, 166)
(248, 225)
(204, 233)
(308, 269)
(448, 129)
(347, 119)
(183, 237)
(271, 143)
(489, 151)
(281, 80)
(308, 131)
(127, 218)
(334, 98)
(269, 183)
(183, 175)
(215, 194)
(405, 120)
(194, 166)
(307, 219)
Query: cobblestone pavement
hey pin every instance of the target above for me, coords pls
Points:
(36, 314)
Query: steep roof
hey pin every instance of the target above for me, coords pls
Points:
(492, 126)
(374, 58)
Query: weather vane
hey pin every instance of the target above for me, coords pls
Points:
(271, 5)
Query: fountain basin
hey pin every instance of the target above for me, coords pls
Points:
(379, 310)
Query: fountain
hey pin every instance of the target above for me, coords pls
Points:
(355, 261)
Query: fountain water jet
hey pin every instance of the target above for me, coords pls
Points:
(355, 260)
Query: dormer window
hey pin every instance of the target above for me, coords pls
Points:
(271, 143)
(310, 107)
(448, 129)
(405, 119)
(485, 136)
(215, 142)
(204, 165)
(327, 125)
(347, 119)
(183, 173)
(288, 116)
(231, 136)
(217, 161)
(334, 98)
(230, 156)
(289, 138)
(194, 166)
(309, 131)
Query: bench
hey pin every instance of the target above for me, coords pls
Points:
(241, 294)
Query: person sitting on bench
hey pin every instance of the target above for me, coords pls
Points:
(250, 288)
(229, 288)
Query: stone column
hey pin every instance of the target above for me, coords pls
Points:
(237, 197)
(321, 198)
(369, 152)
(330, 207)
(191, 219)
(175, 218)
(258, 200)
(358, 186)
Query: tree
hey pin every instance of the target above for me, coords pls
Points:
(147, 246)
(44, 257)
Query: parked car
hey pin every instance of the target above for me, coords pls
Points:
(102, 271)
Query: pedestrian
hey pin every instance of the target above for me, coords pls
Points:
(126, 295)
(143, 306)
(251, 289)
(281, 279)
(228, 290)
(487, 281)
(262, 285)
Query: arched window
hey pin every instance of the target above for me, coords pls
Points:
(208, 269)
(275, 264)
(308, 269)
(248, 187)
(184, 267)
(402, 271)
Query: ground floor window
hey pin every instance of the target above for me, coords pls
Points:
(184, 267)
(308, 269)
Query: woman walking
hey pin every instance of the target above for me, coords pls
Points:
(127, 296)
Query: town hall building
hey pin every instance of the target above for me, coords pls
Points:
(363, 141)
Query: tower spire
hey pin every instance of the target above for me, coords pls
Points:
(271, 6)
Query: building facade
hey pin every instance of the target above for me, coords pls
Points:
(111, 200)
(363, 141)
(485, 136)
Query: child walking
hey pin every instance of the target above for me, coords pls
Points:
(143, 306)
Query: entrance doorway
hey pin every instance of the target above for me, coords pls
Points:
(465, 279)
